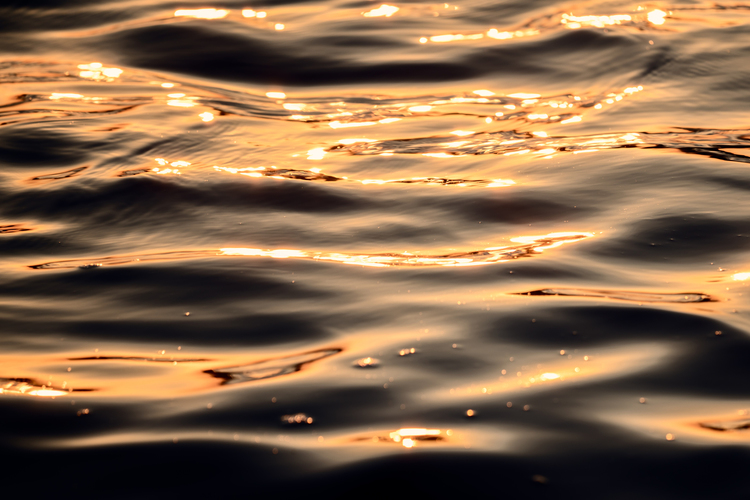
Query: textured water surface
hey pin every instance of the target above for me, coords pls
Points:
(364, 249)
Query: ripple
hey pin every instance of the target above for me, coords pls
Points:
(60, 175)
(706, 142)
(528, 246)
(531, 245)
(408, 437)
(139, 358)
(13, 228)
(365, 111)
(678, 298)
(27, 387)
(270, 368)
(119, 260)
(729, 425)
(316, 175)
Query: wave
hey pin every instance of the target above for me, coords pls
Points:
(528, 246)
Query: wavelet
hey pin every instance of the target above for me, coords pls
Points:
(276, 367)
(528, 246)
(679, 298)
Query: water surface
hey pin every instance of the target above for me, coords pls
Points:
(366, 249)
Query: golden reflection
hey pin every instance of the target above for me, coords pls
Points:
(741, 276)
(506, 35)
(175, 164)
(315, 174)
(97, 71)
(181, 103)
(295, 106)
(338, 124)
(202, 13)
(408, 437)
(251, 13)
(367, 362)
(529, 245)
(206, 117)
(276, 95)
(22, 387)
(454, 38)
(54, 96)
(316, 154)
(492, 33)
(383, 10)
(575, 22)
(572, 119)
(145, 375)
(656, 16)
(522, 95)
(420, 109)
(557, 109)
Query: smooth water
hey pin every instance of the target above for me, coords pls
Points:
(481, 248)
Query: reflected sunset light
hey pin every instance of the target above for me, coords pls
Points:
(202, 13)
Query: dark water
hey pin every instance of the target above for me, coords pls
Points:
(490, 248)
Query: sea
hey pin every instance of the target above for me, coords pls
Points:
(282, 248)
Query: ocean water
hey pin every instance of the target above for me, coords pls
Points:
(483, 248)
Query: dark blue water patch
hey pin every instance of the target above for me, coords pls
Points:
(589, 326)
(49, 245)
(396, 235)
(509, 206)
(643, 470)
(704, 363)
(26, 146)
(188, 285)
(248, 59)
(133, 201)
(679, 239)
(240, 330)
(251, 56)
(656, 62)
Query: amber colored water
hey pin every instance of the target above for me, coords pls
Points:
(479, 249)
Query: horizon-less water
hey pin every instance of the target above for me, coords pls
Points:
(477, 248)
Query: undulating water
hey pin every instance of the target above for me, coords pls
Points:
(489, 248)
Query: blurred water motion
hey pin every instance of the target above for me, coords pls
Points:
(442, 249)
